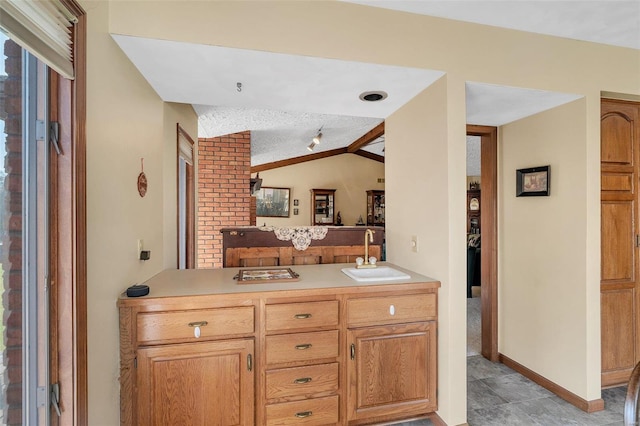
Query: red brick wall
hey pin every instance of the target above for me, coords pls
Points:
(224, 200)
(11, 255)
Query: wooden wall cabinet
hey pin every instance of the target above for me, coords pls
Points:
(323, 207)
(375, 208)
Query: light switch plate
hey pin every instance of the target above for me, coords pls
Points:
(414, 243)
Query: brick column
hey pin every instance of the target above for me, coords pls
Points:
(11, 254)
(224, 165)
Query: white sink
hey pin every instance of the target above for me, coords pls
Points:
(381, 273)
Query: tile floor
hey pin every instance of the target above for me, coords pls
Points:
(498, 396)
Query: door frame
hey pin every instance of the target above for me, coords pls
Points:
(489, 225)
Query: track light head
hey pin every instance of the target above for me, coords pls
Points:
(316, 140)
(311, 146)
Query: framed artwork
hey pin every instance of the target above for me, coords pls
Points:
(533, 182)
(264, 275)
(272, 202)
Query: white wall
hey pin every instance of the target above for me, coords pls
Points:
(349, 174)
(425, 197)
(542, 261)
(126, 121)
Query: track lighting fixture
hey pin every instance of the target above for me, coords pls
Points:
(316, 140)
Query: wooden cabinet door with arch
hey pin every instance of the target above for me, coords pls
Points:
(620, 239)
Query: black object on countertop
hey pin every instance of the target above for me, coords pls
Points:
(138, 290)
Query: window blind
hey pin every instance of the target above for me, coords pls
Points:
(44, 28)
(185, 148)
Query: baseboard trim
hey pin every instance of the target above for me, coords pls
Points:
(570, 397)
(436, 420)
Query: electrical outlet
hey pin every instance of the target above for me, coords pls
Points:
(140, 247)
(414, 243)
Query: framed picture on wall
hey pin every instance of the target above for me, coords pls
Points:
(272, 202)
(533, 182)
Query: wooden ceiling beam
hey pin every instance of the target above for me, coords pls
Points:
(298, 160)
(367, 138)
(370, 155)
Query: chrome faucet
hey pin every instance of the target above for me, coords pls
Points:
(368, 233)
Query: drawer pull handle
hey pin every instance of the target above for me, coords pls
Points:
(249, 362)
(302, 316)
(303, 346)
(392, 310)
(353, 351)
(302, 380)
(196, 327)
(303, 414)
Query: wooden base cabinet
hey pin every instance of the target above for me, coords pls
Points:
(389, 374)
(302, 363)
(391, 368)
(347, 355)
(196, 384)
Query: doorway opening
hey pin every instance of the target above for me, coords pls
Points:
(482, 231)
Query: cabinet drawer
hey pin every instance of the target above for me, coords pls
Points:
(180, 325)
(302, 382)
(317, 411)
(302, 346)
(391, 309)
(300, 315)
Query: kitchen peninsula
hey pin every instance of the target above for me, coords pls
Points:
(297, 245)
(320, 348)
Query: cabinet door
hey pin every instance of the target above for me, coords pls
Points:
(620, 243)
(207, 383)
(391, 371)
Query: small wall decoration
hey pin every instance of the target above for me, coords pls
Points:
(142, 180)
(533, 182)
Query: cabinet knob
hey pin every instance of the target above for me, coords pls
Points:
(196, 327)
(392, 310)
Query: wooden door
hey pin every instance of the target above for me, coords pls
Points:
(208, 383)
(619, 292)
(391, 371)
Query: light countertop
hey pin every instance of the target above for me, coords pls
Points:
(193, 282)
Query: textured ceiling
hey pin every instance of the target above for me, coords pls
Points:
(285, 99)
(613, 22)
(493, 105)
(473, 155)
